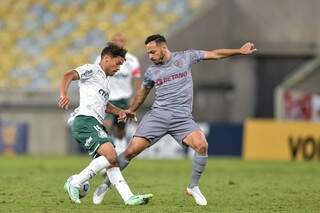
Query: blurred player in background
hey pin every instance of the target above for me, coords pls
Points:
(87, 128)
(172, 109)
(123, 85)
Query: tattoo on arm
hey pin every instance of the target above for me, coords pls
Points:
(139, 98)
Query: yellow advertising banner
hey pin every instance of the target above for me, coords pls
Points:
(281, 140)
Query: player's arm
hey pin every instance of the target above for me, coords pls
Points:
(136, 83)
(246, 49)
(112, 109)
(122, 114)
(64, 100)
(139, 98)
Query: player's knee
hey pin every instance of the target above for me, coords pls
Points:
(202, 148)
(113, 161)
(129, 154)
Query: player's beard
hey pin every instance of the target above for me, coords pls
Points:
(160, 61)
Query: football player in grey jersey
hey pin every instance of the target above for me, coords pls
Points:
(171, 112)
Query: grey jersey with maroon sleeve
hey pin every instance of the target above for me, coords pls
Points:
(173, 82)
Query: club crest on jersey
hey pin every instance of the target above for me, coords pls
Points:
(86, 74)
(178, 63)
(156, 72)
(104, 94)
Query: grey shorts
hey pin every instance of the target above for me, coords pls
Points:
(157, 123)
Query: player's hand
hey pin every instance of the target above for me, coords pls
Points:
(247, 48)
(64, 102)
(126, 115)
(131, 115)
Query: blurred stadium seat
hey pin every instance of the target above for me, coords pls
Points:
(48, 37)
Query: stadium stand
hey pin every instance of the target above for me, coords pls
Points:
(51, 36)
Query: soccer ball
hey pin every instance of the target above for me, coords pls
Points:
(84, 188)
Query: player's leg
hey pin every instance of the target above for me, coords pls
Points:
(97, 164)
(187, 132)
(197, 141)
(117, 180)
(106, 159)
(92, 136)
(108, 123)
(137, 145)
(152, 127)
(89, 133)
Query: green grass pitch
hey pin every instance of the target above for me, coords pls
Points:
(35, 184)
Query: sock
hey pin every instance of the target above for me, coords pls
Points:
(198, 165)
(123, 163)
(90, 171)
(118, 181)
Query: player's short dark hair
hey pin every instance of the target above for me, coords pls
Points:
(156, 38)
(113, 50)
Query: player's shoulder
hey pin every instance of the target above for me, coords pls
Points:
(192, 54)
(87, 70)
(150, 69)
(181, 53)
(92, 67)
(188, 51)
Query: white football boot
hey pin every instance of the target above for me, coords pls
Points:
(197, 195)
(99, 194)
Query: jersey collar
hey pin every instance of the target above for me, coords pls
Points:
(169, 60)
(101, 70)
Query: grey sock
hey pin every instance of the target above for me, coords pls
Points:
(198, 165)
(123, 163)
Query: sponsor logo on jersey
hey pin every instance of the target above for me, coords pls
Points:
(88, 141)
(104, 94)
(172, 77)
